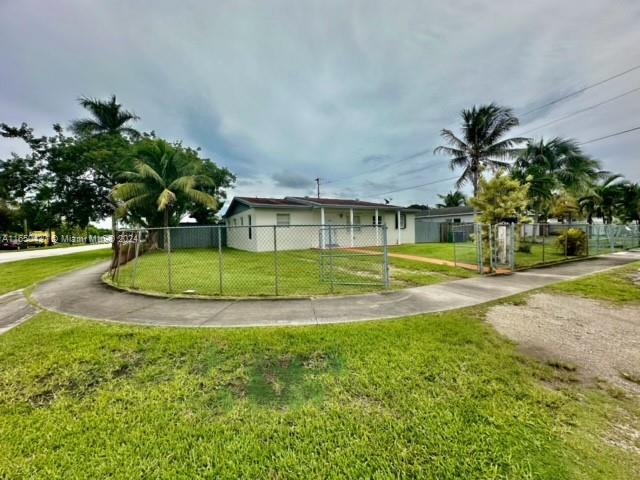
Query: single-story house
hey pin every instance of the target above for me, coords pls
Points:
(332, 222)
(433, 225)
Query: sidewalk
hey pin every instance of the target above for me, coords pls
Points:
(82, 293)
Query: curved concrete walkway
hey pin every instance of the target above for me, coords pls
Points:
(82, 293)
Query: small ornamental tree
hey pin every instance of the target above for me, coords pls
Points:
(500, 198)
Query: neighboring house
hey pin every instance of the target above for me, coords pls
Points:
(429, 223)
(336, 223)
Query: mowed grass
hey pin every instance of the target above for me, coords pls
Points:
(21, 274)
(299, 273)
(621, 285)
(435, 396)
(465, 252)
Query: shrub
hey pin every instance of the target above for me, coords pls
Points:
(524, 248)
(575, 241)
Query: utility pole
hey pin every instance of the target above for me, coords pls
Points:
(318, 184)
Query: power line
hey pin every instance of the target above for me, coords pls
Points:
(417, 186)
(590, 107)
(584, 89)
(593, 140)
(403, 159)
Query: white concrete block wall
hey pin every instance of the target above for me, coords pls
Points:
(296, 237)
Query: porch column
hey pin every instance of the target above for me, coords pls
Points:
(376, 223)
(322, 227)
(351, 223)
(399, 227)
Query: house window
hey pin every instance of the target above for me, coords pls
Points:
(403, 221)
(457, 220)
(250, 229)
(283, 219)
(379, 220)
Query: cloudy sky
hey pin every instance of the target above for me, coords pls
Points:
(353, 92)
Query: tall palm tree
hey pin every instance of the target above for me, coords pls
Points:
(107, 116)
(482, 144)
(552, 166)
(603, 199)
(162, 184)
(452, 199)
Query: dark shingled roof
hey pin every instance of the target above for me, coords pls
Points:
(267, 201)
(342, 202)
(307, 202)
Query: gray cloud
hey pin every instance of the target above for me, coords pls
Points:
(331, 89)
(291, 180)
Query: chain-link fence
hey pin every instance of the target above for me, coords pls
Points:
(543, 243)
(253, 260)
(466, 251)
(507, 247)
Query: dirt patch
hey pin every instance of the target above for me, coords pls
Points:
(597, 340)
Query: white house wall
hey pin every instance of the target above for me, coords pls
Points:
(298, 236)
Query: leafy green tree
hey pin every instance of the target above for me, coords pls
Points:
(603, 199)
(482, 144)
(163, 183)
(501, 197)
(218, 179)
(452, 199)
(107, 136)
(551, 167)
(419, 206)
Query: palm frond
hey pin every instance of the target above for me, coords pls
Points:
(165, 199)
(202, 198)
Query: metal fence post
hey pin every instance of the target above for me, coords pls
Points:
(566, 238)
(544, 240)
(453, 237)
(512, 247)
(135, 262)
(275, 256)
(385, 259)
(479, 241)
(220, 264)
(331, 273)
(167, 238)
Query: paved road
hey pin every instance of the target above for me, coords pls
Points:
(15, 255)
(82, 293)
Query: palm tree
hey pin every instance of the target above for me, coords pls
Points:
(603, 199)
(107, 116)
(452, 199)
(482, 144)
(552, 166)
(630, 205)
(164, 181)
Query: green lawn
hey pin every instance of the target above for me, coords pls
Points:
(21, 274)
(434, 396)
(621, 285)
(466, 252)
(300, 272)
